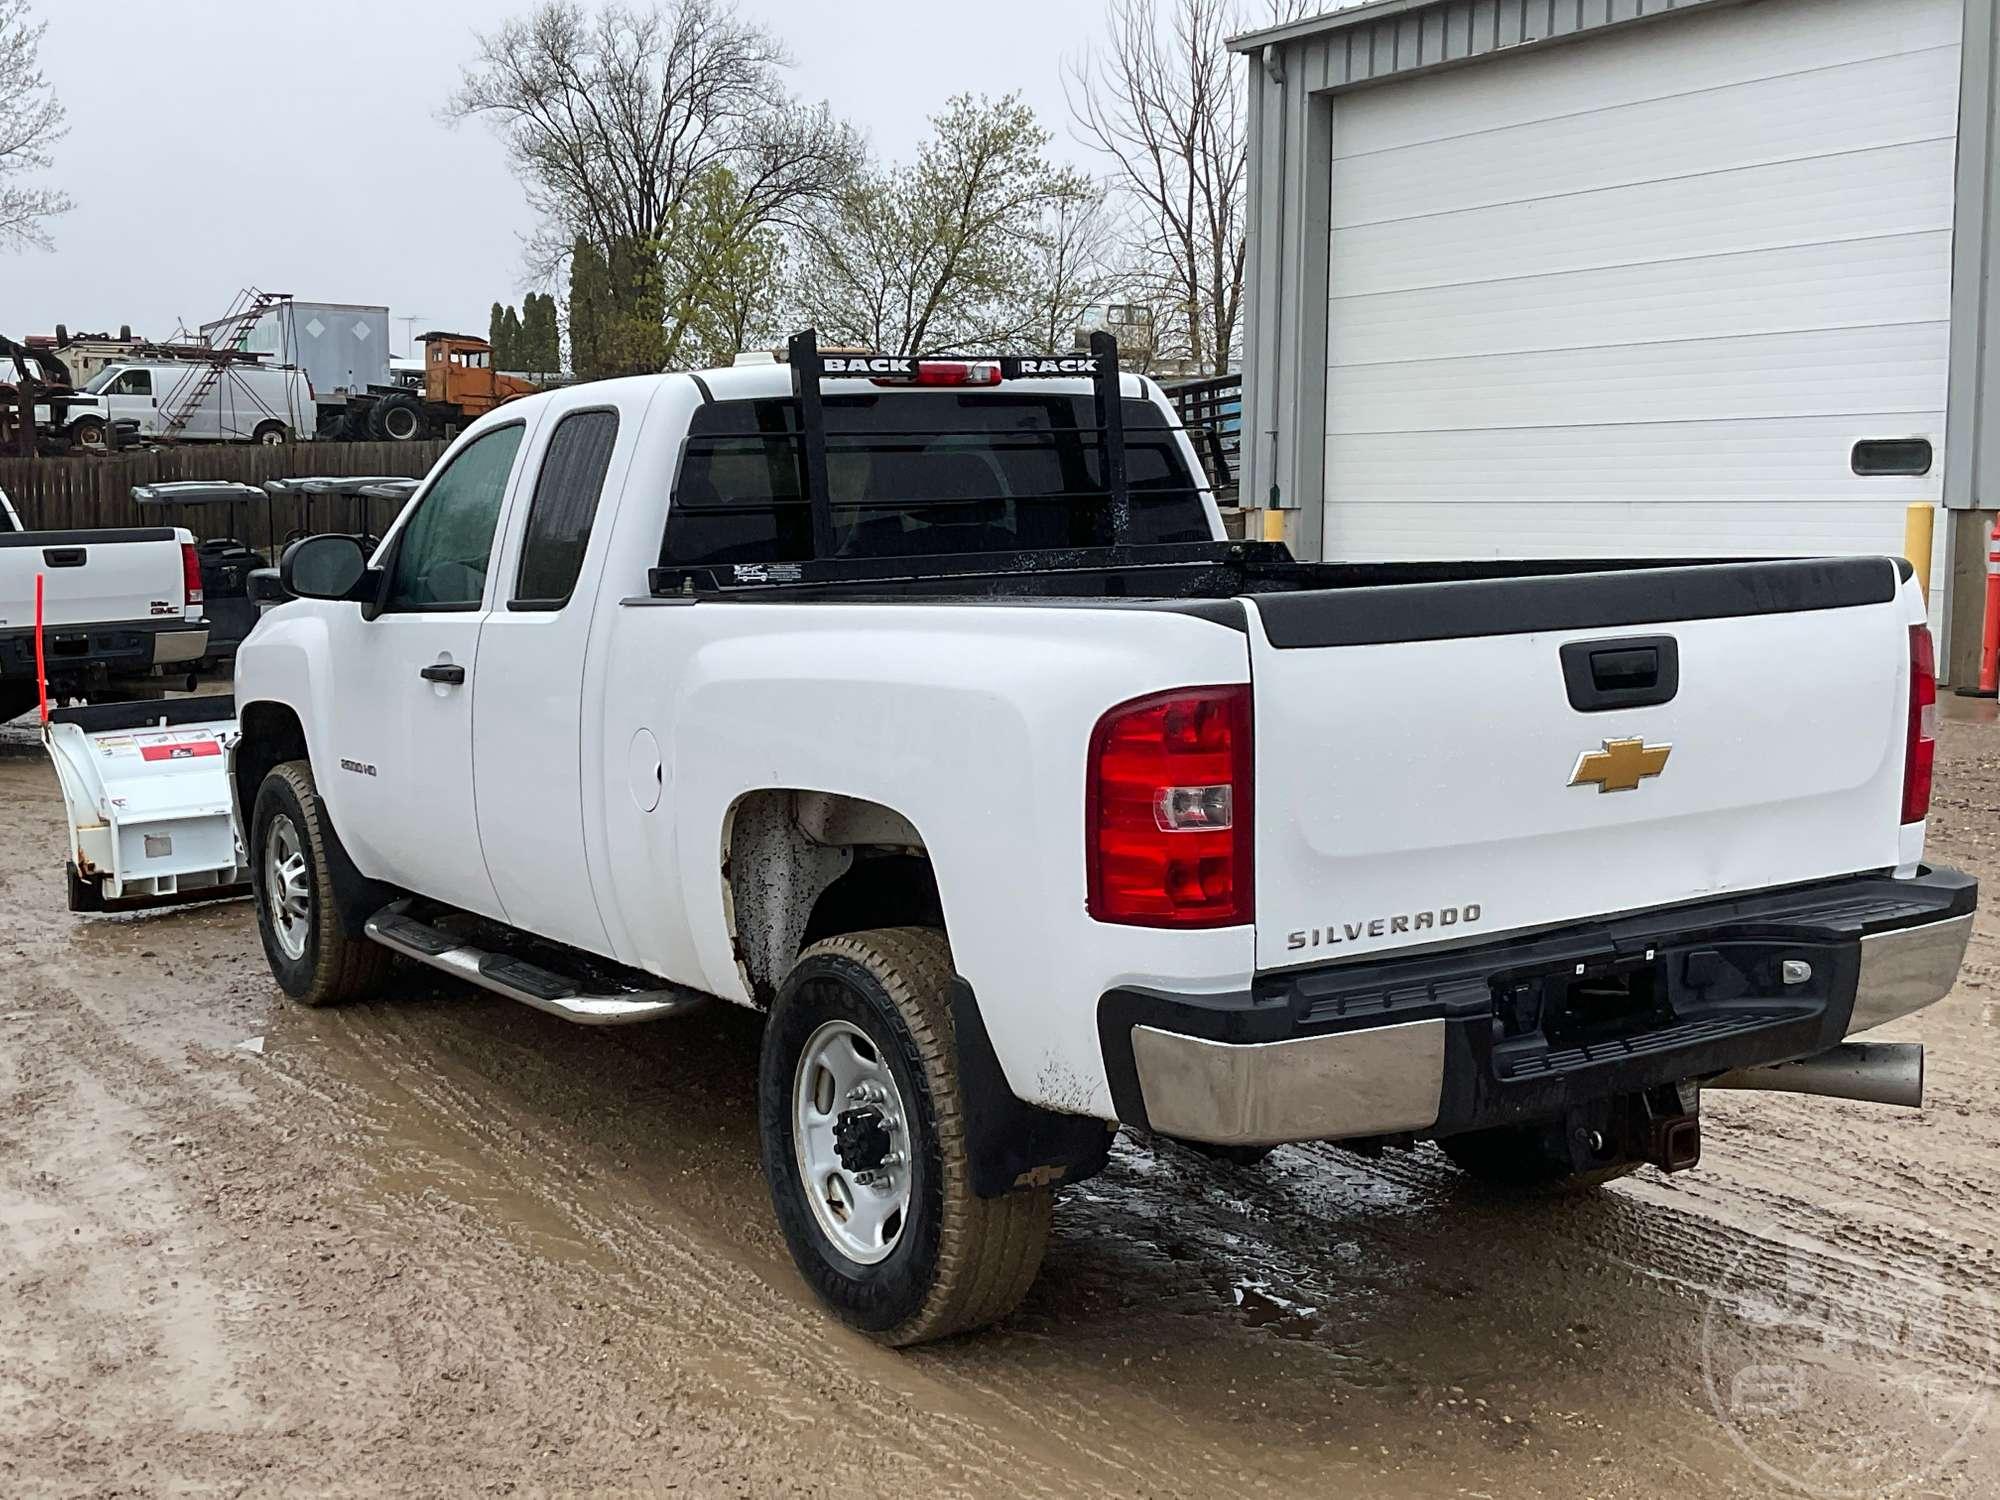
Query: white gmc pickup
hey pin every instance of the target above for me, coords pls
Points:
(117, 603)
(923, 706)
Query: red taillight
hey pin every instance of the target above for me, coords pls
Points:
(1168, 810)
(947, 372)
(1920, 752)
(190, 575)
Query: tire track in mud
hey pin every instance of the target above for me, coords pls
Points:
(776, 1350)
(1702, 1234)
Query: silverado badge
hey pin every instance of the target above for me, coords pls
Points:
(1620, 766)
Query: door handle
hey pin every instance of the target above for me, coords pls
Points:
(1635, 671)
(446, 672)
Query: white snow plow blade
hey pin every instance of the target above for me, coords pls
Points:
(146, 792)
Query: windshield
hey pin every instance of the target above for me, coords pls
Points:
(96, 384)
(912, 475)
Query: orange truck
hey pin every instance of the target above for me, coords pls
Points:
(459, 384)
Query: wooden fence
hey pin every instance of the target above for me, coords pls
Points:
(88, 491)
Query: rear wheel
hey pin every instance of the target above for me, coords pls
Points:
(314, 955)
(271, 434)
(396, 419)
(1520, 1158)
(864, 1145)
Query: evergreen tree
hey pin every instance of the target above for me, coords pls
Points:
(541, 346)
(509, 355)
(589, 307)
(496, 329)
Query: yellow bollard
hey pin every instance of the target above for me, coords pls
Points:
(1274, 525)
(1917, 523)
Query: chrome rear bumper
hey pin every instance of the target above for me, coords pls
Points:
(1905, 970)
(1448, 1045)
(1371, 1082)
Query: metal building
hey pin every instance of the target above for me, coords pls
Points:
(342, 346)
(1653, 277)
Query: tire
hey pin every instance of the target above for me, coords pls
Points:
(313, 955)
(398, 418)
(1516, 1158)
(16, 698)
(956, 1261)
(84, 895)
(87, 432)
(272, 434)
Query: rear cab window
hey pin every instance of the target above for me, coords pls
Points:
(564, 509)
(914, 474)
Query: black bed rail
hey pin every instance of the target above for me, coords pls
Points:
(695, 580)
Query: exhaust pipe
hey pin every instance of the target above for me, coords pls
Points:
(1871, 1072)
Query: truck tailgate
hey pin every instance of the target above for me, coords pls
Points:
(1427, 771)
(93, 577)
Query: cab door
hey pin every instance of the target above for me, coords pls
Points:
(130, 396)
(529, 743)
(399, 739)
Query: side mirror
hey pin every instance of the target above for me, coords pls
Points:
(324, 567)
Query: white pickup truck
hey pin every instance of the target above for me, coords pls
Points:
(117, 603)
(923, 706)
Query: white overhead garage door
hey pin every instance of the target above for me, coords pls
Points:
(1643, 293)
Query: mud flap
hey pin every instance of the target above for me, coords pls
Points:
(1014, 1144)
(146, 796)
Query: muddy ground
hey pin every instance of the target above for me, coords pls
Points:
(442, 1244)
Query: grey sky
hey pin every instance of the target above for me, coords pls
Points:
(216, 144)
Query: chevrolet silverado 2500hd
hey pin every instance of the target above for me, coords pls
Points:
(117, 603)
(922, 705)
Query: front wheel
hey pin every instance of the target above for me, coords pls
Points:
(314, 955)
(864, 1145)
(87, 432)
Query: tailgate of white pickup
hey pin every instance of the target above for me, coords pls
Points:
(1428, 771)
(93, 577)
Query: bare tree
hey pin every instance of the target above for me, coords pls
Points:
(967, 248)
(31, 121)
(1164, 101)
(1075, 268)
(621, 122)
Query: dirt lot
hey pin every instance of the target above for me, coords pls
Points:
(442, 1245)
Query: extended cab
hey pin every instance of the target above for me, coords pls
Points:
(923, 706)
(116, 604)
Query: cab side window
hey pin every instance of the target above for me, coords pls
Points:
(442, 555)
(133, 383)
(564, 507)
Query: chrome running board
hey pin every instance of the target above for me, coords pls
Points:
(518, 979)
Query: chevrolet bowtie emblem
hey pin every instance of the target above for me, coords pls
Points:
(1620, 766)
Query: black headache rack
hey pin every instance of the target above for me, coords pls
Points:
(961, 572)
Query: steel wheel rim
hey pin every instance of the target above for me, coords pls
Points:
(400, 423)
(287, 894)
(861, 1206)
